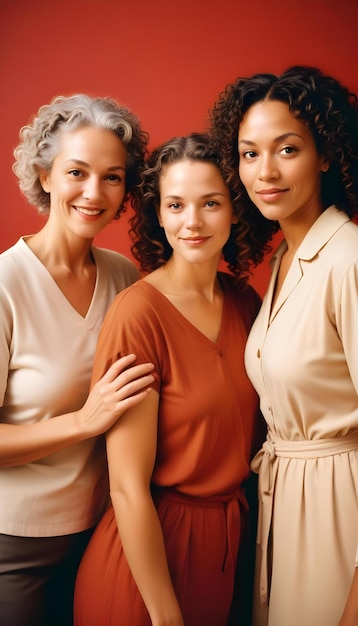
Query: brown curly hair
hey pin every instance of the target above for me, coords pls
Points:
(151, 247)
(330, 112)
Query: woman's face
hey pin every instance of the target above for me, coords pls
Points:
(195, 210)
(279, 164)
(87, 180)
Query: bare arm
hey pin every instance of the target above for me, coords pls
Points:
(131, 449)
(350, 613)
(118, 390)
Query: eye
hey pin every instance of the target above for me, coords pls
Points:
(211, 204)
(175, 206)
(75, 173)
(114, 178)
(287, 150)
(249, 154)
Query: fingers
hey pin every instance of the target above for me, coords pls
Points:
(134, 372)
(132, 400)
(123, 368)
(134, 386)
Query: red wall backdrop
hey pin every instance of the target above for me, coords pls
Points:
(166, 59)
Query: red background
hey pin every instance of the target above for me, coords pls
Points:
(166, 59)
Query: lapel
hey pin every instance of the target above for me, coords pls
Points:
(317, 237)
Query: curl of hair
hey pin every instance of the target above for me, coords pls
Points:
(151, 247)
(329, 111)
(40, 141)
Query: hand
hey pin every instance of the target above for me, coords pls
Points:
(123, 386)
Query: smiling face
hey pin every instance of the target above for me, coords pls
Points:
(195, 210)
(87, 180)
(279, 164)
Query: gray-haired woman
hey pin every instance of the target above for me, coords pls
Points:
(79, 163)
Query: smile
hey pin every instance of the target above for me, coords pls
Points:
(195, 241)
(90, 212)
(271, 195)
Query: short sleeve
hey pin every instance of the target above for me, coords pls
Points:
(131, 325)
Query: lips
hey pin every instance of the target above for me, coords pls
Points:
(195, 240)
(270, 195)
(87, 211)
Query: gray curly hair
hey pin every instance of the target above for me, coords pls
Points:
(39, 141)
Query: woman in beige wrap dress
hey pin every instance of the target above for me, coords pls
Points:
(297, 158)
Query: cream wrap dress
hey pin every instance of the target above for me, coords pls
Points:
(302, 357)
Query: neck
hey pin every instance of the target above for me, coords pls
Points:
(296, 228)
(69, 253)
(193, 280)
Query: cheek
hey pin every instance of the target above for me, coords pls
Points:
(117, 195)
(303, 179)
(68, 190)
(245, 175)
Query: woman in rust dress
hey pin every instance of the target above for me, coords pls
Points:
(166, 551)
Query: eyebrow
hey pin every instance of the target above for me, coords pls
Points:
(205, 195)
(276, 139)
(83, 163)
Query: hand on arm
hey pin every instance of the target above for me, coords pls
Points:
(131, 450)
(118, 390)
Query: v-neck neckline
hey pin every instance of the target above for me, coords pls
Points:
(57, 294)
(224, 324)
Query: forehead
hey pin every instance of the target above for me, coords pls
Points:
(270, 117)
(90, 138)
(186, 170)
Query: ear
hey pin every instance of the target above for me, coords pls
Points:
(44, 178)
(325, 164)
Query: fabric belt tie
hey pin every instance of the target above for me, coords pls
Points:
(233, 503)
(265, 463)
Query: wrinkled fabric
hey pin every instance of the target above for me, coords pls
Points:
(206, 425)
(302, 358)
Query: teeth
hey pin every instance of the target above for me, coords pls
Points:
(88, 211)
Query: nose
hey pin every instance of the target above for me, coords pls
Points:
(92, 188)
(193, 218)
(268, 168)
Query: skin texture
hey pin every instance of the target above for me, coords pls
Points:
(281, 171)
(280, 166)
(181, 212)
(88, 174)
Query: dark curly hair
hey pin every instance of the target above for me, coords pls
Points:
(330, 112)
(151, 247)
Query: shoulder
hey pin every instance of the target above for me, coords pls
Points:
(341, 253)
(13, 251)
(243, 295)
(333, 237)
(349, 233)
(112, 258)
(242, 291)
(116, 264)
(140, 301)
(14, 263)
(135, 321)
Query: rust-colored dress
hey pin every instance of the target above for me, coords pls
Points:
(206, 425)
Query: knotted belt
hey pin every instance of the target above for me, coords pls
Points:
(265, 463)
(233, 504)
